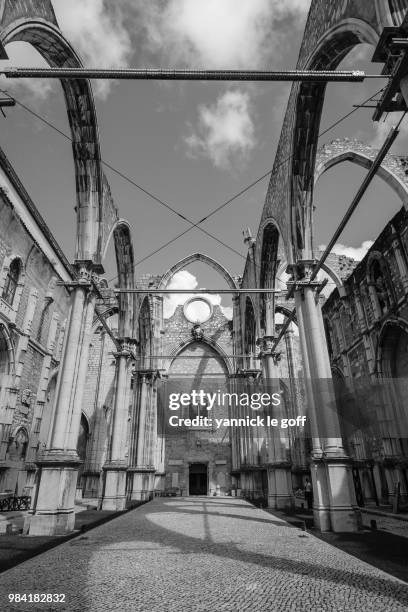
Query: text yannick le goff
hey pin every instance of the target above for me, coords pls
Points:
(204, 401)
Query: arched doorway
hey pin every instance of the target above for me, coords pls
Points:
(198, 479)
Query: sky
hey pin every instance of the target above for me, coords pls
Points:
(194, 145)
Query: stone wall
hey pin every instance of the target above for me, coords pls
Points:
(33, 325)
(199, 366)
(367, 333)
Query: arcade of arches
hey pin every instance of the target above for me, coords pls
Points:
(82, 370)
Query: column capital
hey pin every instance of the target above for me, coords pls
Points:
(87, 270)
(124, 347)
(302, 269)
(266, 344)
(149, 375)
(251, 374)
(301, 273)
(87, 275)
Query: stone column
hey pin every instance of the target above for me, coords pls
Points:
(280, 494)
(141, 430)
(114, 495)
(142, 471)
(296, 404)
(82, 371)
(53, 508)
(334, 497)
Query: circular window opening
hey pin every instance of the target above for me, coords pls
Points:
(197, 310)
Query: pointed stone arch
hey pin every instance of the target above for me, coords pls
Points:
(388, 338)
(177, 352)
(393, 170)
(209, 261)
(125, 262)
(34, 22)
(332, 30)
(269, 257)
(7, 350)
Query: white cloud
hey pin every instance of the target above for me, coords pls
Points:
(216, 33)
(383, 128)
(181, 280)
(225, 131)
(224, 34)
(185, 280)
(98, 32)
(356, 253)
(96, 29)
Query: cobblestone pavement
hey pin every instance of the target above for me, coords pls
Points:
(202, 555)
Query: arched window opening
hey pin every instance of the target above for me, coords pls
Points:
(44, 315)
(250, 334)
(145, 335)
(10, 286)
(83, 438)
(379, 278)
(269, 265)
(328, 330)
(4, 358)
(198, 270)
(17, 447)
(395, 353)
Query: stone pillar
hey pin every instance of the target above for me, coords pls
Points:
(236, 326)
(142, 472)
(80, 381)
(280, 494)
(114, 495)
(53, 508)
(296, 404)
(141, 430)
(334, 497)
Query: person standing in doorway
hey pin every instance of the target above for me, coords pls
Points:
(309, 494)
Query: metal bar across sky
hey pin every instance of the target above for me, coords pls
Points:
(188, 75)
(195, 291)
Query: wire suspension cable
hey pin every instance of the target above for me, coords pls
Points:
(215, 210)
(132, 182)
(245, 189)
(381, 155)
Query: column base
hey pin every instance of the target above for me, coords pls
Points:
(114, 497)
(344, 514)
(334, 507)
(321, 518)
(280, 494)
(51, 524)
(53, 513)
(143, 485)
